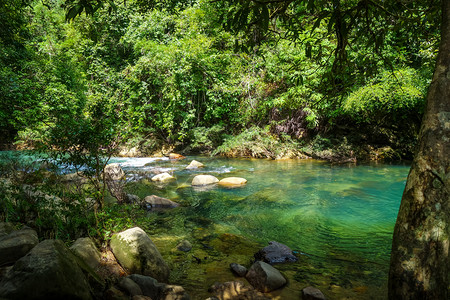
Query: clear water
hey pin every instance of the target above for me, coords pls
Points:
(339, 218)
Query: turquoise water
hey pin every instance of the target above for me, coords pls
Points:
(339, 218)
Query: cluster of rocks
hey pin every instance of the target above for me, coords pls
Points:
(30, 269)
(262, 276)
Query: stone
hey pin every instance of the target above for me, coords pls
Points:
(129, 152)
(233, 181)
(115, 180)
(131, 287)
(159, 291)
(48, 271)
(185, 246)
(136, 252)
(235, 290)
(195, 165)
(141, 297)
(16, 244)
(276, 253)
(133, 199)
(311, 293)
(264, 277)
(86, 250)
(204, 180)
(239, 270)
(114, 293)
(154, 202)
(163, 177)
(176, 156)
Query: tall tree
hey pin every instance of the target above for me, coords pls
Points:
(420, 265)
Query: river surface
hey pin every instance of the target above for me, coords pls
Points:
(338, 219)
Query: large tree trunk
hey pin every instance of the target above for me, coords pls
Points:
(420, 250)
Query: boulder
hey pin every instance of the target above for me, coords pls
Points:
(48, 271)
(204, 180)
(195, 165)
(115, 180)
(264, 277)
(233, 181)
(131, 287)
(311, 293)
(239, 270)
(235, 290)
(133, 199)
(136, 252)
(176, 156)
(86, 250)
(16, 244)
(154, 202)
(159, 291)
(185, 246)
(141, 297)
(163, 177)
(276, 253)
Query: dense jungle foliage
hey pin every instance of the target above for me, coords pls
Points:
(182, 76)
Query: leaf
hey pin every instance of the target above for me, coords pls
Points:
(72, 13)
(308, 50)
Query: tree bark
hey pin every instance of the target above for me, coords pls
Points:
(420, 249)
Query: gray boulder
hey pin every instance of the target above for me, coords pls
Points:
(163, 177)
(154, 202)
(136, 252)
(159, 291)
(204, 180)
(239, 270)
(264, 277)
(195, 165)
(48, 271)
(131, 287)
(184, 246)
(276, 253)
(311, 293)
(16, 244)
(86, 250)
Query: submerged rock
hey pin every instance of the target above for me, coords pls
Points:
(195, 165)
(16, 244)
(235, 290)
(136, 252)
(154, 202)
(49, 271)
(163, 177)
(238, 269)
(233, 181)
(276, 253)
(264, 277)
(159, 291)
(311, 293)
(185, 246)
(204, 180)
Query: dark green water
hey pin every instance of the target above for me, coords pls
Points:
(339, 218)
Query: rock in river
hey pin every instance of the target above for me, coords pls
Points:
(276, 253)
(136, 252)
(264, 277)
(233, 181)
(154, 202)
(195, 165)
(204, 180)
(163, 177)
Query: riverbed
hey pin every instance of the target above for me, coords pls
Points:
(338, 219)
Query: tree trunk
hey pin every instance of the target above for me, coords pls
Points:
(420, 249)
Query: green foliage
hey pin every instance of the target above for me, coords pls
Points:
(391, 97)
(258, 143)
